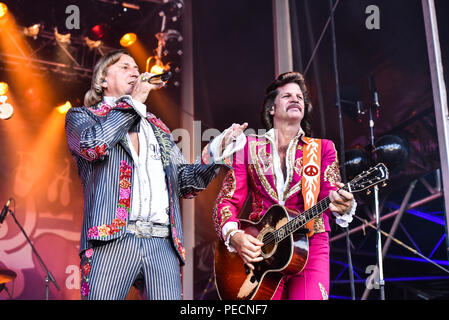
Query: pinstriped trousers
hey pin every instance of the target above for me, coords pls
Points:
(115, 265)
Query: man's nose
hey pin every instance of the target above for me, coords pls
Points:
(135, 73)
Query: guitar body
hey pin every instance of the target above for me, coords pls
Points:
(289, 256)
(285, 251)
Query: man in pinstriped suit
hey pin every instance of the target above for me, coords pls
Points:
(133, 175)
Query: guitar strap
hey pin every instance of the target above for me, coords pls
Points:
(311, 176)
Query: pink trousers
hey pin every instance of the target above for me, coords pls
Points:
(313, 282)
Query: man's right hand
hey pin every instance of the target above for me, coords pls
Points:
(248, 247)
(142, 88)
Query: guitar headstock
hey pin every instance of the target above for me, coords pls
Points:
(369, 178)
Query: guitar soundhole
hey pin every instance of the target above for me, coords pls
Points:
(269, 244)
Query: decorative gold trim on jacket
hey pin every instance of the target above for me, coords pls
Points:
(260, 172)
(332, 173)
(318, 225)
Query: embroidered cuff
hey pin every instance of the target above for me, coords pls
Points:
(343, 220)
(228, 245)
(228, 230)
(215, 146)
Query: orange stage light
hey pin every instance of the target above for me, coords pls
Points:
(128, 39)
(32, 31)
(158, 67)
(3, 88)
(64, 107)
(14, 42)
(3, 9)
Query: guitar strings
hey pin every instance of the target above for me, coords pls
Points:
(293, 224)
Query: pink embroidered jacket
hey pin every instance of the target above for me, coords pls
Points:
(254, 175)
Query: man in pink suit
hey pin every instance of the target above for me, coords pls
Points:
(270, 169)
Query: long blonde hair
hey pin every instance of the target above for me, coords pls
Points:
(95, 93)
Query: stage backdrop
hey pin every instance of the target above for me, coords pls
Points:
(37, 171)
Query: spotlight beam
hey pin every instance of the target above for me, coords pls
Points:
(45, 62)
(16, 45)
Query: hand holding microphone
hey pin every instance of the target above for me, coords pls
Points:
(147, 82)
(158, 78)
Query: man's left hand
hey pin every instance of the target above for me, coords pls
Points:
(232, 135)
(341, 201)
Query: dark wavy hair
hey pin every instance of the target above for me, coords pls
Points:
(271, 93)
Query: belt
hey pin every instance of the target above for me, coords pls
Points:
(147, 229)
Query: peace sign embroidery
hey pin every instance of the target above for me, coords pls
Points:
(311, 170)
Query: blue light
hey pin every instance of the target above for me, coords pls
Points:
(420, 214)
(340, 297)
(440, 262)
(437, 245)
(417, 278)
(403, 279)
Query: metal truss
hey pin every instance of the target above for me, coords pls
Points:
(77, 58)
(435, 192)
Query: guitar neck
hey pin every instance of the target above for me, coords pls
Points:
(301, 220)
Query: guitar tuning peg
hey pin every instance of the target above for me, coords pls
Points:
(384, 185)
(368, 192)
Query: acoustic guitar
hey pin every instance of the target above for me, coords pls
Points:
(285, 250)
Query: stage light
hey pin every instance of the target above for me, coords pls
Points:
(393, 151)
(172, 9)
(3, 9)
(357, 160)
(64, 107)
(32, 31)
(93, 44)
(3, 88)
(128, 5)
(62, 38)
(6, 110)
(98, 31)
(158, 67)
(128, 39)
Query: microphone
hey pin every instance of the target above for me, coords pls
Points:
(375, 96)
(4, 211)
(360, 110)
(158, 78)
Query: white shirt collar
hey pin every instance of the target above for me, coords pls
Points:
(271, 135)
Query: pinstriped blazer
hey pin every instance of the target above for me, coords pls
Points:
(97, 140)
